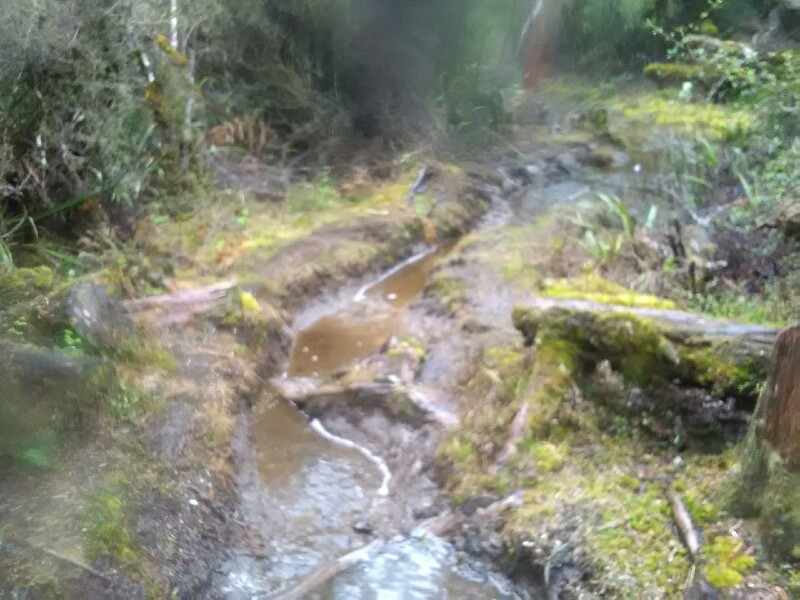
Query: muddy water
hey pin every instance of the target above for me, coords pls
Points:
(359, 328)
(309, 491)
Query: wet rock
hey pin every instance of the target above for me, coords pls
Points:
(701, 591)
(567, 163)
(472, 504)
(363, 526)
(45, 393)
(99, 319)
(605, 156)
(425, 508)
(475, 326)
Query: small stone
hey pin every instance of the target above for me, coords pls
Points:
(192, 502)
(363, 526)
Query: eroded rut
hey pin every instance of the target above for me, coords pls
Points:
(314, 484)
(318, 489)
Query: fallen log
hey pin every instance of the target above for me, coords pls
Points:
(182, 306)
(648, 346)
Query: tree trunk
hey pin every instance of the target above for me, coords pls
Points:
(779, 404)
(768, 485)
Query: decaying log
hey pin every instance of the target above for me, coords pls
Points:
(649, 345)
(776, 422)
(179, 307)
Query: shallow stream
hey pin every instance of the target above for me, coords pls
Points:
(316, 496)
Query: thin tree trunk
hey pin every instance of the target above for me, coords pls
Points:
(777, 418)
(173, 23)
(768, 484)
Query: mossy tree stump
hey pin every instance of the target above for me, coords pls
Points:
(768, 486)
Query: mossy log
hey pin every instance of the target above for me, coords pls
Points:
(674, 74)
(768, 485)
(648, 346)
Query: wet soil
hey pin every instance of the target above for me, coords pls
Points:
(361, 327)
(246, 496)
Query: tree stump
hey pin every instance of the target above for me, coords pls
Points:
(768, 486)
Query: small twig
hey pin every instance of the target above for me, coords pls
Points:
(328, 572)
(423, 174)
(716, 88)
(684, 523)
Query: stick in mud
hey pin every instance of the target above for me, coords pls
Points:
(328, 572)
(684, 523)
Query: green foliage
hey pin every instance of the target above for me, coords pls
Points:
(91, 108)
(72, 340)
(599, 33)
(127, 402)
(604, 241)
(618, 207)
(310, 196)
(771, 307)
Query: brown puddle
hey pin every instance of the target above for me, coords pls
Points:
(363, 325)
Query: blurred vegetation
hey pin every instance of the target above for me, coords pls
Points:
(96, 103)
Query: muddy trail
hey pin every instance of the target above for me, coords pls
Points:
(337, 468)
(326, 388)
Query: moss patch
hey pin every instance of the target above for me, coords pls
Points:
(674, 74)
(500, 379)
(594, 288)
(714, 121)
(450, 291)
(107, 526)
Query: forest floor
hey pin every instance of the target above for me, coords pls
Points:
(162, 499)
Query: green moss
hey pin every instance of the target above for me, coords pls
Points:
(107, 527)
(593, 288)
(406, 344)
(500, 380)
(450, 291)
(725, 562)
(635, 347)
(713, 366)
(714, 121)
(642, 350)
(675, 74)
(20, 285)
(548, 457)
